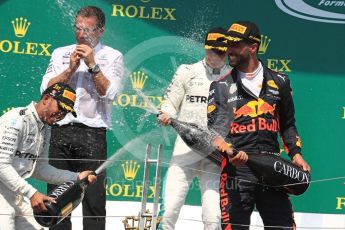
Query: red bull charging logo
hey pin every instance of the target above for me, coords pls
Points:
(254, 109)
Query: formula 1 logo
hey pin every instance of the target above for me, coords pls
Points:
(320, 11)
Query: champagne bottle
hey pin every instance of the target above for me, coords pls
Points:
(200, 139)
(67, 196)
(273, 170)
(279, 172)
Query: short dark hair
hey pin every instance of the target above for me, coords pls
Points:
(89, 11)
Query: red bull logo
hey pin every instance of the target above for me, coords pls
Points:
(254, 109)
(224, 197)
(265, 108)
(255, 124)
(246, 110)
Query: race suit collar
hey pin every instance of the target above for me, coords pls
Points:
(236, 77)
(213, 71)
(33, 112)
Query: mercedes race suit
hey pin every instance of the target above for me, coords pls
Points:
(24, 143)
(186, 97)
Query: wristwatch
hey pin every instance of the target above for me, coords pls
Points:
(95, 69)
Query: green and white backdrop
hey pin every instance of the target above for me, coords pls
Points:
(303, 38)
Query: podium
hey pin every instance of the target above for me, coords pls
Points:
(147, 220)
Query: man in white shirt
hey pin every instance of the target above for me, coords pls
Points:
(95, 71)
(24, 145)
(186, 98)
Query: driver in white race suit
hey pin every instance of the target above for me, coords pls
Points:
(186, 98)
(24, 143)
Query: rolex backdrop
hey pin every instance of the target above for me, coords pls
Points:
(302, 38)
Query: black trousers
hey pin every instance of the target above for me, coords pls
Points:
(239, 195)
(77, 141)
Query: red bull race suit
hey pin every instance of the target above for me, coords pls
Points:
(252, 124)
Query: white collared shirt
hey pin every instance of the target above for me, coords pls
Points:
(253, 81)
(92, 109)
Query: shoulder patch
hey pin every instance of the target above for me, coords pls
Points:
(22, 112)
(272, 84)
(211, 108)
(282, 76)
